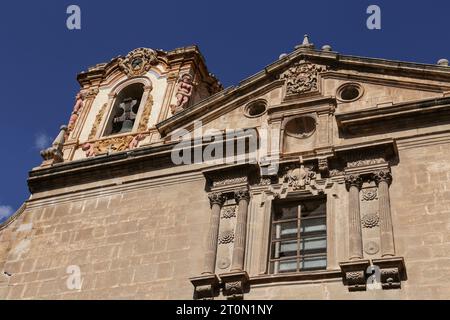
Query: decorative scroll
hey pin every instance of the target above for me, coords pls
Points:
(138, 62)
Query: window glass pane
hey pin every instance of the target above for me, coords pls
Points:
(285, 230)
(313, 208)
(288, 248)
(286, 212)
(287, 266)
(313, 225)
(313, 263)
(313, 243)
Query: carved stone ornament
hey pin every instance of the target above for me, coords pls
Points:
(354, 274)
(371, 248)
(98, 120)
(206, 286)
(138, 62)
(54, 154)
(185, 89)
(216, 198)
(302, 77)
(235, 284)
(390, 278)
(361, 158)
(383, 175)
(79, 104)
(229, 212)
(143, 122)
(226, 237)
(370, 220)
(369, 194)
(229, 181)
(299, 178)
(353, 180)
(241, 195)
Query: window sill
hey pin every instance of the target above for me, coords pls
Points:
(308, 276)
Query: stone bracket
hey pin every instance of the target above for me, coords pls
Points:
(354, 274)
(392, 270)
(206, 287)
(235, 284)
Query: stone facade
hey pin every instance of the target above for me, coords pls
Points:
(370, 137)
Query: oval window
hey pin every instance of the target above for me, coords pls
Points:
(301, 127)
(255, 109)
(349, 92)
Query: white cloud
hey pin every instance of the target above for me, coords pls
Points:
(42, 141)
(5, 212)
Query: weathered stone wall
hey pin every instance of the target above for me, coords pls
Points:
(141, 244)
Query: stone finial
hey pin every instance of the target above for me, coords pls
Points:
(282, 55)
(443, 62)
(326, 48)
(305, 44)
(54, 154)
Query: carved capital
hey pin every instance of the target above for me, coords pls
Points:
(353, 180)
(241, 195)
(382, 175)
(216, 198)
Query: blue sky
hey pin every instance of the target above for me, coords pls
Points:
(40, 57)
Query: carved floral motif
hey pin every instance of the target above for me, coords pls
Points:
(229, 213)
(226, 237)
(370, 220)
(98, 120)
(302, 77)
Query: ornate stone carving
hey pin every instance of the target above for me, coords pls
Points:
(356, 280)
(365, 158)
(336, 172)
(75, 112)
(226, 237)
(224, 263)
(371, 247)
(241, 195)
(353, 180)
(235, 284)
(302, 77)
(323, 165)
(138, 62)
(369, 194)
(390, 278)
(370, 220)
(206, 286)
(90, 93)
(229, 212)
(185, 89)
(229, 181)
(383, 175)
(54, 154)
(98, 120)
(299, 178)
(143, 122)
(216, 198)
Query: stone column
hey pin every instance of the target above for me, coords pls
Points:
(353, 183)
(216, 200)
(383, 179)
(242, 198)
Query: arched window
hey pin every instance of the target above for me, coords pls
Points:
(125, 110)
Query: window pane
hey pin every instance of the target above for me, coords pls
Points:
(286, 212)
(313, 208)
(313, 225)
(287, 266)
(286, 230)
(313, 243)
(313, 263)
(288, 248)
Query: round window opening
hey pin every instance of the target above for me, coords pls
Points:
(302, 127)
(256, 109)
(349, 92)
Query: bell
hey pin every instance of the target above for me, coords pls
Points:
(127, 126)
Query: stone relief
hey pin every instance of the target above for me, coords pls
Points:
(185, 89)
(370, 220)
(226, 237)
(229, 212)
(299, 178)
(98, 120)
(302, 77)
(371, 248)
(138, 62)
(369, 194)
(75, 112)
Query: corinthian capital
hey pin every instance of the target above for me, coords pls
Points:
(382, 175)
(241, 195)
(353, 180)
(216, 198)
